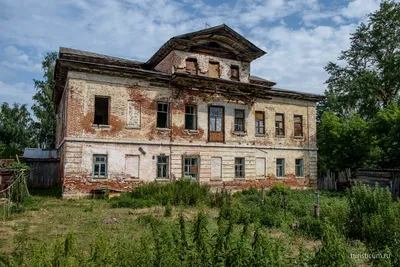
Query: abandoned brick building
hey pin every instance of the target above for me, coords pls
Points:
(192, 110)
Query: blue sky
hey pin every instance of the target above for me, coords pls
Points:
(300, 36)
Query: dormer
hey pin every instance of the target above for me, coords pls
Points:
(217, 52)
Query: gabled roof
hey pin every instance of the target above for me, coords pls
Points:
(241, 48)
(258, 80)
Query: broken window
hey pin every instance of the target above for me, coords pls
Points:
(190, 117)
(279, 124)
(298, 125)
(280, 167)
(299, 167)
(191, 167)
(239, 120)
(239, 167)
(163, 115)
(234, 73)
(162, 167)
(260, 127)
(101, 110)
(99, 166)
(213, 69)
(191, 66)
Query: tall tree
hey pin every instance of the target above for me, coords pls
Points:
(43, 107)
(16, 130)
(368, 77)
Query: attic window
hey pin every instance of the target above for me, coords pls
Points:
(214, 45)
(101, 109)
(234, 73)
(191, 66)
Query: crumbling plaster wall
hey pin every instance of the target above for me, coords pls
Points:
(83, 88)
(176, 62)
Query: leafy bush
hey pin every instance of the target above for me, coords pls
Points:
(124, 201)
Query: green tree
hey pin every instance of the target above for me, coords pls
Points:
(16, 130)
(43, 107)
(368, 77)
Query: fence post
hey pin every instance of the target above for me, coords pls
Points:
(316, 206)
(284, 204)
(262, 194)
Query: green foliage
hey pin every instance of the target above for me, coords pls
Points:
(43, 108)
(17, 165)
(182, 192)
(16, 130)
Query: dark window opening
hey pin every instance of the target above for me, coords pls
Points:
(101, 110)
(239, 120)
(300, 167)
(190, 117)
(260, 126)
(191, 66)
(239, 168)
(213, 69)
(99, 166)
(162, 167)
(279, 124)
(162, 115)
(235, 73)
(280, 167)
(298, 125)
(191, 167)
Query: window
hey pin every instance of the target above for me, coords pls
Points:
(298, 125)
(239, 167)
(234, 73)
(299, 167)
(279, 124)
(213, 69)
(162, 167)
(239, 120)
(260, 128)
(191, 66)
(163, 115)
(216, 119)
(280, 167)
(101, 109)
(190, 117)
(191, 167)
(99, 166)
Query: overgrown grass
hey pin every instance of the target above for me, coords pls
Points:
(184, 224)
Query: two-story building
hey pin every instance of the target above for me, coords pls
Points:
(192, 110)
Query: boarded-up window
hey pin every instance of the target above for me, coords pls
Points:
(260, 167)
(101, 110)
(216, 168)
(133, 119)
(213, 69)
(132, 166)
(235, 73)
(298, 125)
(239, 120)
(279, 124)
(191, 66)
(191, 167)
(260, 126)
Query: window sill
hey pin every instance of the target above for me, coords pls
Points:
(299, 138)
(239, 178)
(163, 129)
(300, 177)
(132, 127)
(279, 136)
(191, 131)
(103, 126)
(99, 179)
(240, 133)
(280, 177)
(260, 135)
(162, 180)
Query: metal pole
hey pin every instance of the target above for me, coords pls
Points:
(316, 205)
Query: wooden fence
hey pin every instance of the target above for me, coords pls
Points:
(335, 180)
(381, 177)
(43, 173)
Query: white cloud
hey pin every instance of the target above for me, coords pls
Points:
(360, 8)
(19, 92)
